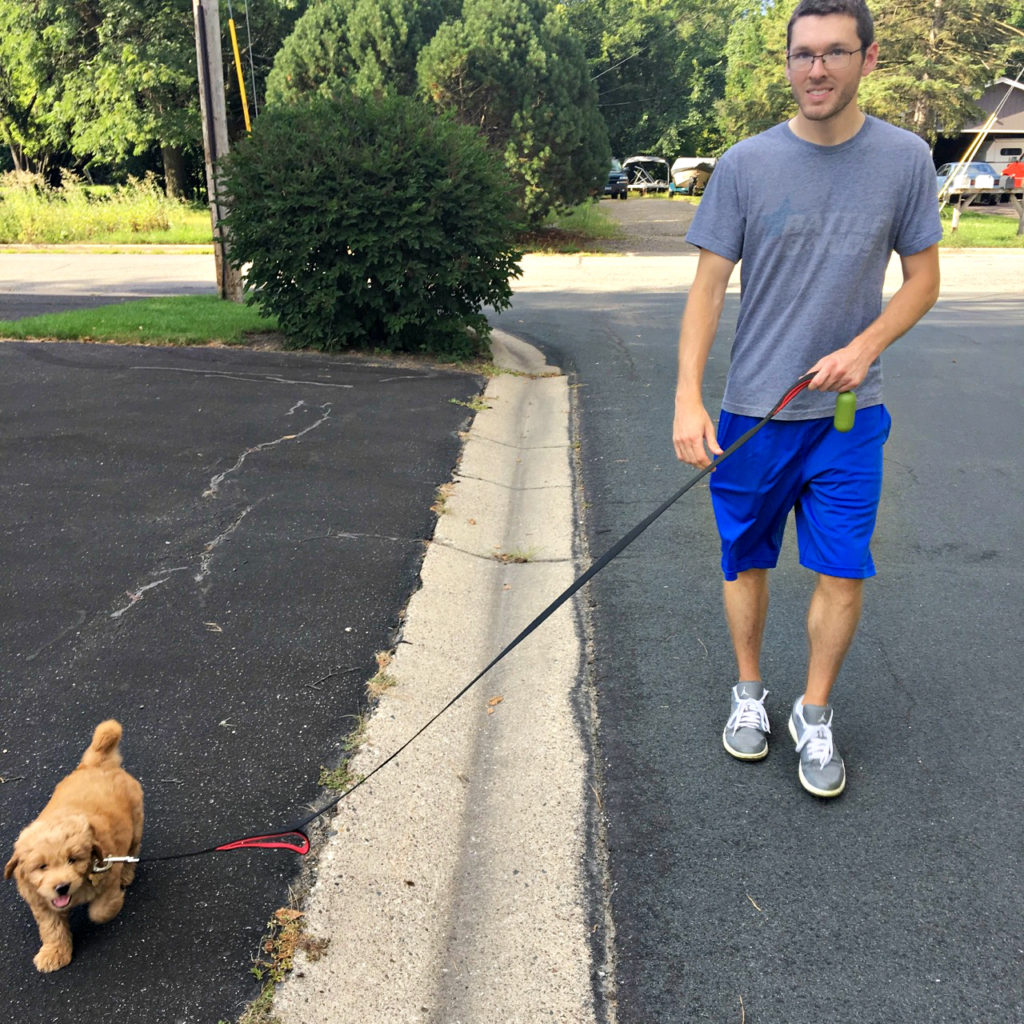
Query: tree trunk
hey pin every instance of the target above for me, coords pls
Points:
(174, 171)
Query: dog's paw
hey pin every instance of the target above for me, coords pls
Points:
(52, 958)
(106, 909)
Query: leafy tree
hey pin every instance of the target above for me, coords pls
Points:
(28, 81)
(659, 68)
(101, 79)
(757, 94)
(515, 71)
(105, 81)
(133, 83)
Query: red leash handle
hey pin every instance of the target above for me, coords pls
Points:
(274, 841)
(791, 393)
(846, 404)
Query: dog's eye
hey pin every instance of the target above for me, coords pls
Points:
(42, 867)
(72, 859)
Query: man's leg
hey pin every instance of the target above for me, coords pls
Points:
(831, 624)
(746, 608)
(746, 611)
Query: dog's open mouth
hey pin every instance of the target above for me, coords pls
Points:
(62, 900)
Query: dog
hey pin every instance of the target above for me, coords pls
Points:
(60, 859)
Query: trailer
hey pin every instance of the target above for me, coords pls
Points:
(646, 173)
(1001, 151)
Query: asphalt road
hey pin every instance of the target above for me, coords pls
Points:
(735, 896)
(34, 282)
(210, 545)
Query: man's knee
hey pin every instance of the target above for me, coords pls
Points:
(840, 590)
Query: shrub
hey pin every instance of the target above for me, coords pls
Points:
(371, 223)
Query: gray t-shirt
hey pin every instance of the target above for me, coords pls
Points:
(813, 228)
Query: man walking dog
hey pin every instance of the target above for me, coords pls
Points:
(812, 209)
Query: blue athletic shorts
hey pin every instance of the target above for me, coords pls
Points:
(831, 481)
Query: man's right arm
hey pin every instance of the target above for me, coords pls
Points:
(693, 433)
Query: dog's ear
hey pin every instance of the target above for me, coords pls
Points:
(10, 866)
(98, 856)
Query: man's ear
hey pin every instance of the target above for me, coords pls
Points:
(870, 60)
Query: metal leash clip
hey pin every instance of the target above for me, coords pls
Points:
(100, 867)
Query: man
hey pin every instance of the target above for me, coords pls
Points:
(814, 208)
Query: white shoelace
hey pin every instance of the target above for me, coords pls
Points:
(749, 714)
(818, 741)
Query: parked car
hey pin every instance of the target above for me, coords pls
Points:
(976, 174)
(617, 185)
(968, 174)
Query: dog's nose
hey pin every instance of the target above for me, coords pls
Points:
(63, 890)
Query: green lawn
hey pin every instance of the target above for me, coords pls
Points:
(980, 230)
(178, 320)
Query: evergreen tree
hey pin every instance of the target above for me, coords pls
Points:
(515, 71)
(936, 57)
(360, 46)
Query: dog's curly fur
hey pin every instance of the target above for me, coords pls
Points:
(95, 812)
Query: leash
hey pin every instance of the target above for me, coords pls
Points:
(294, 837)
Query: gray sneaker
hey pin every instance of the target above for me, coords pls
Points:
(821, 768)
(746, 733)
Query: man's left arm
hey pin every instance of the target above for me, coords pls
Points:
(844, 369)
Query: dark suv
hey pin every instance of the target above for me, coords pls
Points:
(617, 185)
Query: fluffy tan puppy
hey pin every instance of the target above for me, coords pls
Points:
(59, 860)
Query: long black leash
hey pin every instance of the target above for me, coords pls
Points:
(294, 837)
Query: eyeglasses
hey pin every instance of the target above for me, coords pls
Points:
(833, 60)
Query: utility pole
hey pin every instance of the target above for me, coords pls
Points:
(215, 136)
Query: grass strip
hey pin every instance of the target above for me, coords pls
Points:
(174, 320)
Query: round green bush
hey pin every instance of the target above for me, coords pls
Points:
(371, 223)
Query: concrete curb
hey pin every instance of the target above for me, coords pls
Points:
(454, 889)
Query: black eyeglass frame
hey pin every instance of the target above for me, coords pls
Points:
(823, 57)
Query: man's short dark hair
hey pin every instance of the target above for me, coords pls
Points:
(857, 9)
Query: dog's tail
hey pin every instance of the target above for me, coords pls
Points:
(104, 749)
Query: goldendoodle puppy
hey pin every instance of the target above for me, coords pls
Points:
(59, 860)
